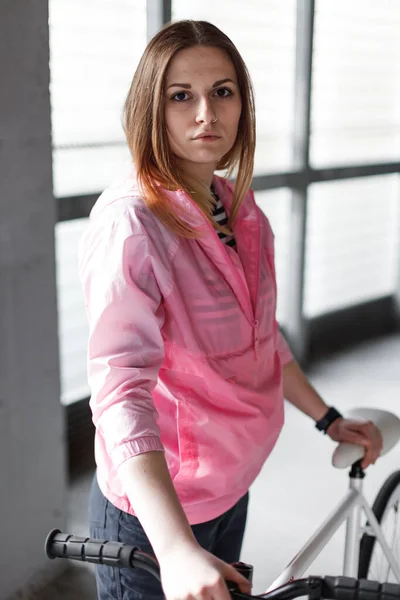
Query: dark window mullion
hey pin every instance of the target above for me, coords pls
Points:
(167, 11)
(295, 325)
(156, 11)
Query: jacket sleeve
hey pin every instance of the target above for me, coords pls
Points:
(284, 351)
(282, 346)
(125, 347)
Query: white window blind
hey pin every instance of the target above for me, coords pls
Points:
(264, 33)
(355, 116)
(276, 205)
(72, 322)
(95, 46)
(352, 242)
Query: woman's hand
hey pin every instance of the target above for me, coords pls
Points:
(364, 434)
(188, 572)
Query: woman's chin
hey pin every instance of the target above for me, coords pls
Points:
(207, 157)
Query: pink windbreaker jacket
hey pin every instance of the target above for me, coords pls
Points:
(184, 353)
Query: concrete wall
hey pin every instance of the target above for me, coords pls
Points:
(32, 447)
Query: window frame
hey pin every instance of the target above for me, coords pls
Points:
(298, 329)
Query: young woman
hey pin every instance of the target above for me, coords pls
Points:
(187, 367)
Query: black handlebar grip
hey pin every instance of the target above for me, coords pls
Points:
(64, 545)
(347, 588)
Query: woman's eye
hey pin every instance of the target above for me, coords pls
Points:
(180, 96)
(223, 92)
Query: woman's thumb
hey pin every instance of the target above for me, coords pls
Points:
(231, 574)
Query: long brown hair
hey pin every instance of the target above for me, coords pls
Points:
(145, 129)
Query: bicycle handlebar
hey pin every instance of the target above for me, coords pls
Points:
(115, 554)
(101, 552)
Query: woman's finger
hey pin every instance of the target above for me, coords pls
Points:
(372, 433)
(353, 437)
(369, 457)
(232, 574)
(373, 444)
(367, 431)
(362, 439)
(363, 427)
(364, 434)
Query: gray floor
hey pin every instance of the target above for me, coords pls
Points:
(298, 487)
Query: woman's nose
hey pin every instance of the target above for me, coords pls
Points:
(205, 112)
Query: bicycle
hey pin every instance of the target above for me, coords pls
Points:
(361, 548)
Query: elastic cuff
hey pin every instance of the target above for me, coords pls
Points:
(134, 448)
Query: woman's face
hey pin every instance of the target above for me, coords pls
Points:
(202, 107)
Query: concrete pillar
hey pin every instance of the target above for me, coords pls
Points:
(32, 445)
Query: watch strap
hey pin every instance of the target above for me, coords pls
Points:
(329, 417)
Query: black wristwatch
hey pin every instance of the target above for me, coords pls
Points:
(328, 418)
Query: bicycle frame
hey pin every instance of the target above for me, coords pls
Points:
(349, 509)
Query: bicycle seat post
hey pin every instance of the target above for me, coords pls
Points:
(352, 543)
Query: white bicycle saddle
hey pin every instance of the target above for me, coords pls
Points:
(389, 425)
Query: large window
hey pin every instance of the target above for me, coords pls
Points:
(94, 50)
(342, 222)
(353, 242)
(356, 82)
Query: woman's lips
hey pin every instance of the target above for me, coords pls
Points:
(207, 138)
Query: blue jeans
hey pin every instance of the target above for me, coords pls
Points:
(222, 537)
